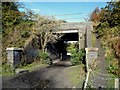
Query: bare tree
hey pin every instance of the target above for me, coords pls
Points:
(45, 28)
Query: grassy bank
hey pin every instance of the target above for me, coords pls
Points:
(8, 71)
(76, 75)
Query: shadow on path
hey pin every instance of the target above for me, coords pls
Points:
(47, 77)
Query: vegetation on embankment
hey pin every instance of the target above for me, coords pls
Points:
(108, 30)
(9, 71)
(25, 29)
(16, 26)
(20, 28)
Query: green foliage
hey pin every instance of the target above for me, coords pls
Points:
(76, 75)
(109, 57)
(20, 27)
(111, 13)
(112, 67)
(7, 70)
(109, 17)
(44, 57)
(108, 31)
(16, 26)
(33, 66)
(25, 34)
(77, 56)
(113, 70)
(71, 48)
(10, 13)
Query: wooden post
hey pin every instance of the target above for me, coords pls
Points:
(117, 83)
(86, 81)
(86, 49)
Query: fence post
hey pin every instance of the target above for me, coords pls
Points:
(117, 83)
(86, 80)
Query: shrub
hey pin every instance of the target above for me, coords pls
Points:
(113, 70)
(7, 70)
(25, 34)
(77, 56)
(44, 57)
(112, 66)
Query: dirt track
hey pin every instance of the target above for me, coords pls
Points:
(47, 77)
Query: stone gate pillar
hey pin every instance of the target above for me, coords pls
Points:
(91, 55)
(14, 56)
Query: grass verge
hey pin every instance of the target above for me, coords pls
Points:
(93, 39)
(77, 75)
(8, 71)
(33, 66)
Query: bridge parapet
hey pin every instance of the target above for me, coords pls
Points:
(72, 27)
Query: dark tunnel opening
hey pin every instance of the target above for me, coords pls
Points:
(59, 49)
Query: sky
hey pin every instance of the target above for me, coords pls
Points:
(69, 11)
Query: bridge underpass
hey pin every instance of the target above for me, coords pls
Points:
(72, 33)
(62, 44)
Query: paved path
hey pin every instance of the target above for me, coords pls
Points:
(56, 76)
(48, 77)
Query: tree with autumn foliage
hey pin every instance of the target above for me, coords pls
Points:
(95, 16)
(108, 30)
